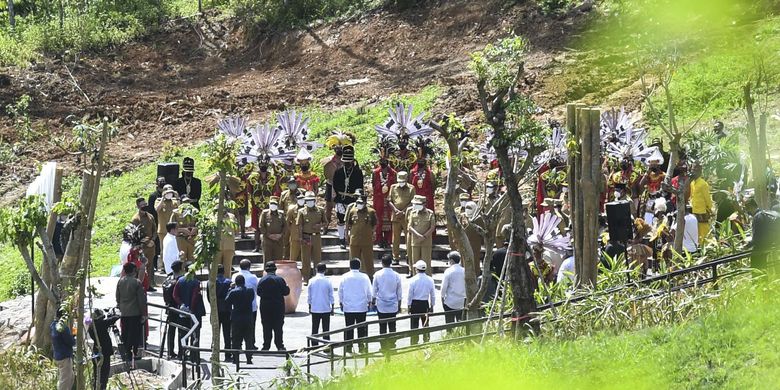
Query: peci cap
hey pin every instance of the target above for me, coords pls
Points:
(420, 265)
(188, 165)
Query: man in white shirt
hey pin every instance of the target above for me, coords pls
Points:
(320, 301)
(422, 295)
(567, 270)
(250, 282)
(354, 298)
(691, 231)
(170, 247)
(453, 289)
(387, 294)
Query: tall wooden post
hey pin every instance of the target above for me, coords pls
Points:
(584, 189)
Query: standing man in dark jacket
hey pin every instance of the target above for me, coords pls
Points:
(131, 300)
(187, 296)
(223, 308)
(169, 285)
(272, 289)
(240, 299)
(103, 349)
(62, 342)
(346, 180)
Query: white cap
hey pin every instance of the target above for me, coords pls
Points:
(303, 154)
(420, 265)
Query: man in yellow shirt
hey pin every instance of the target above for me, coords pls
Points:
(701, 202)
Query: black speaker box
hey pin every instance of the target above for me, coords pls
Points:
(170, 171)
(621, 228)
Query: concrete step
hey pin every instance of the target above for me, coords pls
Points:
(335, 252)
(332, 238)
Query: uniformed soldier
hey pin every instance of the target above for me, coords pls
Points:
(165, 205)
(186, 231)
(463, 198)
(148, 226)
(421, 224)
(227, 245)
(272, 222)
(311, 220)
(292, 228)
(361, 221)
(287, 199)
(472, 222)
(401, 195)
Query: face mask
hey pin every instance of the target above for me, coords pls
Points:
(418, 207)
(469, 213)
(273, 207)
(187, 174)
(402, 183)
(301, 202)
(292, 186)
(360, 206)
(339, 152)
(348, 165)
(421, 164)
(490, 190)
(263, 168)
(462, 204)
(168, 196)
(618, 194)
(304, 168)
(624, 166)
(383, 164)
(310, 204)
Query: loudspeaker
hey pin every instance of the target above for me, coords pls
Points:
(619, 223)
(170, 171)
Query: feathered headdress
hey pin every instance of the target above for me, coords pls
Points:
(425, 147)
(402, 124)
(545, 234)
(630, 144)
(385, 147)
(133, 234)
(613, 122)
(340, 138)
(295, 131)
(556, 145)
(233, 127)
(263, 144)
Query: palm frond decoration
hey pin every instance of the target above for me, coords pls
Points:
(545, 234)
(133, 234)
(294, 128)
(233, 127)
(262, 144)
(403, 124)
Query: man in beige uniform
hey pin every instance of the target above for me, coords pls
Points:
(292, 228)
(165, 205)
(149, 228)
(186, 231)
(272, 223)
(361, 221)
(285, 201)
(401, 195)
(227, 245)
(421, 224)
(311, 220)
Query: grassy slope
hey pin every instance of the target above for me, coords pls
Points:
(735, 348)
(116, 202)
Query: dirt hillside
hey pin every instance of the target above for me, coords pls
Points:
(172, 86)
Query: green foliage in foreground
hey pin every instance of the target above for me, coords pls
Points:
(24, 368)
(116, 201)
(735, 347)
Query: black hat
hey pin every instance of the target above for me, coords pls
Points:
(270, 266)
(188, 165)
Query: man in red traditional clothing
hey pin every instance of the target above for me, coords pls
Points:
(422, 181)
(382, 178)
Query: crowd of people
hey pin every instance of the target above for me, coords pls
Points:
(289, 208)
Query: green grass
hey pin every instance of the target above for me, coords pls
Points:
(733, 348)
(116, 201)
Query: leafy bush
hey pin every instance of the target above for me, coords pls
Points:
(24, 368)
(553, 7)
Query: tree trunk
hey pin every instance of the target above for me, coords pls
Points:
(519, 272)
(756, 135)
(11, 14)
(674, 157)
(214, 315)
(86, 260)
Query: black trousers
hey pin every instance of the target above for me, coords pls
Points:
(273, 322)
(174, 318)
(452, 315)
(316, 319)
(104, 369)
(241, 333)
(384, 326)
(195, 340)
(253, 335)
(352, 319)
(419, 307)
(132, 335)
(224, 323)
